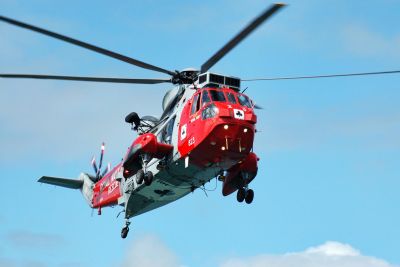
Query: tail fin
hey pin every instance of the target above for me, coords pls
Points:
(68, 183)
(84, 183)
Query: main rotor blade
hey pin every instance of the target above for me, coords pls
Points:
(86, 79)
(87, 46)
(322, 76)
(240, 36)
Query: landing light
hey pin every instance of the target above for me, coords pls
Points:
(223, 148)
(245, 130)
(226, 126)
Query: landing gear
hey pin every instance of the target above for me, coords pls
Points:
(241, 194)
(148, 178)
(245, 194)
(125, 230)
(249, 196)
(143, 174)
(139, 176)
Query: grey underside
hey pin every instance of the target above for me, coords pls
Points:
(169, 185)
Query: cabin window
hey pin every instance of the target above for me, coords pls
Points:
(165, 135)
(195, 104)
(169, 130)
(217, 95)
(205, 98)
(231, 98)
(244, 101)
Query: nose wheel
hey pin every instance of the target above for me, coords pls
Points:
(125, 230)
(245, 194)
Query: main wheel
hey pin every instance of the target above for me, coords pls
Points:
(241, 194)
(124, 232)
(249, 196)
(139, 176)
(148, 178)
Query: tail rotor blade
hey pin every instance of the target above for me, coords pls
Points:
(93, 163)
(98, 174)
(106, 170)
(101, 155)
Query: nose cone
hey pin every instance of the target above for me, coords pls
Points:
(229, 142)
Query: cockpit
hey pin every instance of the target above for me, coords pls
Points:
(208, 96)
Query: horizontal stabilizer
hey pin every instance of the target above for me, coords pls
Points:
(68, 183)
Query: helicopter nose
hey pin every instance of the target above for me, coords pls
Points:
(233, 137)
(247, 116)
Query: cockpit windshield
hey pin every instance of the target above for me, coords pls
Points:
(244, 101)
(217, 95)
(230, 97)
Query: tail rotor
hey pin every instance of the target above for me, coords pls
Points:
(96, 169)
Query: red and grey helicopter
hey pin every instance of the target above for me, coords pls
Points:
(206, 131)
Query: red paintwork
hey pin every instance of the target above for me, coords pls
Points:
(206, 137)
(233, 180)
(145, 143)
(202, 141)
(107, 190)
(149, 145)
(209, 142)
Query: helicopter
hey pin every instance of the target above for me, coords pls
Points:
(206, 131)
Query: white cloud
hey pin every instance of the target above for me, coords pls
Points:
(330, 254)
(150, 251)
(333, 249)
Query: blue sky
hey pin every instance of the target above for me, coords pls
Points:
(327, 188)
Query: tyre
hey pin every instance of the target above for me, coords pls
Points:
(241, 194)
(148, 178)
(139, 176)
(124, 232)
(250, 196)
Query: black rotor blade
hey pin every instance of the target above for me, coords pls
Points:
(322, 76)
(240, 36)
(87, 46)
(85, 79)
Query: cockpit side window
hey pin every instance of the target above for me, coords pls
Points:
(244, 101)
(217, 95)
(195, 104)
(231, 98)
(205, 98)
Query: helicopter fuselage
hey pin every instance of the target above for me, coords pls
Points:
(210, 132)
